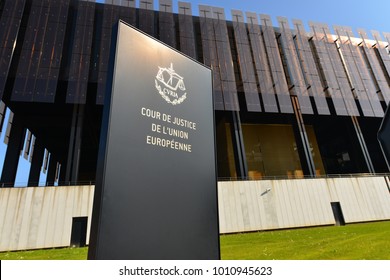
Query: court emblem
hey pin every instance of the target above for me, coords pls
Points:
(170, 85)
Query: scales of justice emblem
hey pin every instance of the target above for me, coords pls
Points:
(170, 85)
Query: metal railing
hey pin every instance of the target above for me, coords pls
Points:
(288, 177)
(220, 179)
(45, 184)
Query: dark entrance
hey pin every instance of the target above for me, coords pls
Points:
(338, 213)
(79, 232)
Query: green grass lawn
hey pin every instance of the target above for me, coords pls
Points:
(47, 254)
(370, 241)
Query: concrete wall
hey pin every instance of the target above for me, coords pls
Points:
(41, 217)
(274, 204)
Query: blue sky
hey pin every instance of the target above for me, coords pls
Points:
(370, 15)
(24, 165)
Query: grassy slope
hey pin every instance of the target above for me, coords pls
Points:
(354, 242)
(49, 254)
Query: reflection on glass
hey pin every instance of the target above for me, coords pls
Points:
(225, 154)
(315, 151)
(271, 150)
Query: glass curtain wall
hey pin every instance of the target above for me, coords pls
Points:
(271, 150)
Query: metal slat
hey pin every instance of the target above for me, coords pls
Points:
(81, 54)
(375, 66)
(111, 15)
(128, 3)
(245, 63)
(310, 72)
(345, 49)
(364, 73)
(297, 82)
(38, 69)
(45, 162)
(32, 148)
(9, 127)
(262, 67)
(57, 173)
(210, 53)
(2, 115)
(146, 16)
(380, 46)
(54, 46)
(225, 60)
(326, 52)
(27, 146)
(186, 30)
(275, 61)
(167, 29)
(9, 29)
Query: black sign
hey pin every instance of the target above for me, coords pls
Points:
(156, 190)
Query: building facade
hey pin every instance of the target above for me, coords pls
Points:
(289, 102)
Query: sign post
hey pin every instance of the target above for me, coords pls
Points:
(156, 189)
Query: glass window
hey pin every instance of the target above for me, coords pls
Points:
(226, 161)
(315, 151)
(271, 150)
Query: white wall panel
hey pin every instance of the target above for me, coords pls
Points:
(300, 203)
(238, 202)
(267, 204)
(251, 207)
(41, 217)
